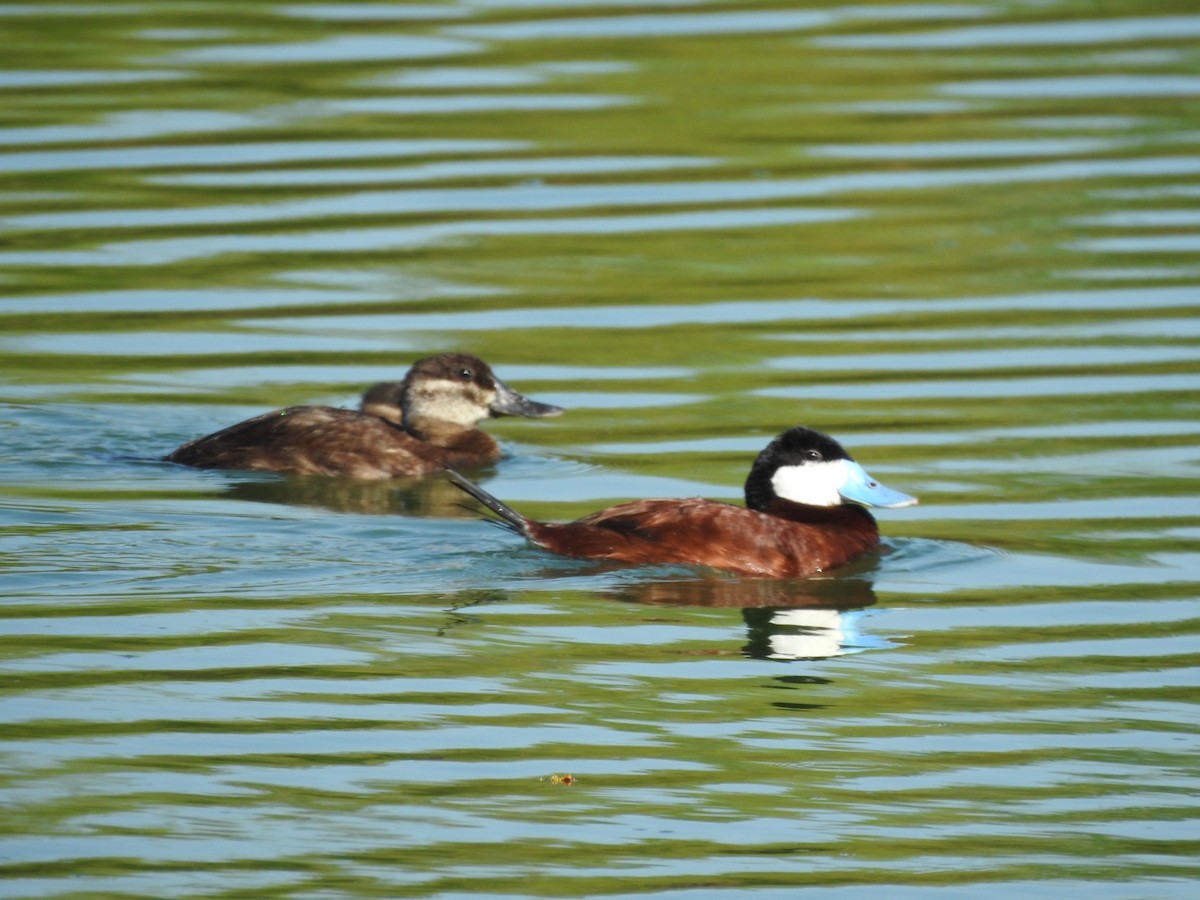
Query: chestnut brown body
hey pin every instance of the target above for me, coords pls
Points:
(783, 541)
(801, 517)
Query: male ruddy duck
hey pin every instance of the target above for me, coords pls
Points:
(796, 521)
(405, 428)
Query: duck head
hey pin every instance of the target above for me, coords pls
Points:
(811, 468)
(461, 389)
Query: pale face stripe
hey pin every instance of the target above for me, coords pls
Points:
(449, 401)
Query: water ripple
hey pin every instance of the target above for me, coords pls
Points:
(332, 49)
(166, 251)
(651, 25)
(239, 154)
(238, 683)
(538, 167)
(1077, 32)
(1079, 86)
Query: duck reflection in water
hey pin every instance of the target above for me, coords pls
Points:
(786, 619)
(404, 429)
(794, 634)
(425, 498)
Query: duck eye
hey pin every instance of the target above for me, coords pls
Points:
(466, 374)
(812, 455)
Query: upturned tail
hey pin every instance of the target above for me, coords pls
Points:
(509, 517)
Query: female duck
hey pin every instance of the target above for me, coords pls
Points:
(799, 518)
(405, 428)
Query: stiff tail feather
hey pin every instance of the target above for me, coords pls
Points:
(509, 517)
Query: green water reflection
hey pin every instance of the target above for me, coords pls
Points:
(960, 237)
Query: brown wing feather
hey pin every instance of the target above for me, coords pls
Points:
(323, 440)
(701, 532)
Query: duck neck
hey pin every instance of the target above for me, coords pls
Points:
(855, 527)
(843, 515)
(438, 432)
(760, 496)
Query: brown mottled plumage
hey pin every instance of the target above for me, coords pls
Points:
(405, 428)
(808, 531)
(384, 400)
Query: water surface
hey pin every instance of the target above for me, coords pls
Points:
(959, 236)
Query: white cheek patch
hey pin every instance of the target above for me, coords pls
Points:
(815, 484)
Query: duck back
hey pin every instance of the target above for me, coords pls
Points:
(324, 440)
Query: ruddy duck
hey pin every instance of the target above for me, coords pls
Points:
(404, 428)
(796, 521)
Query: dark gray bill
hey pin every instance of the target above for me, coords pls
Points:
(509, 403)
